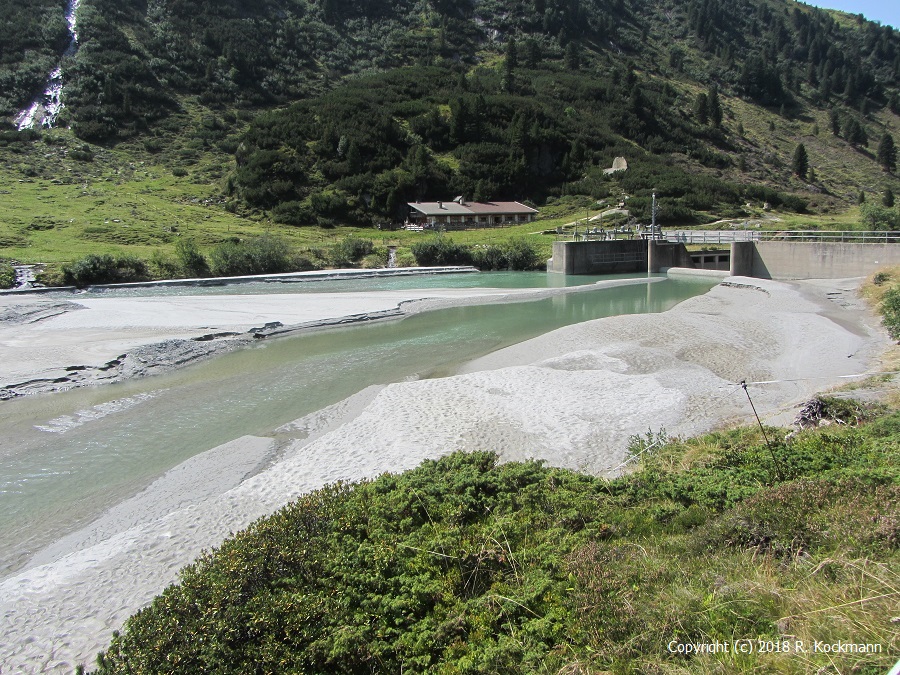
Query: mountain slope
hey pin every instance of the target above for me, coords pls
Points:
(397, 101)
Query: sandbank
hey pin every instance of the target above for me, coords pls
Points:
(571, 397)
(54, 344)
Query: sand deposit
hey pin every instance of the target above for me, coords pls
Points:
(572, 397)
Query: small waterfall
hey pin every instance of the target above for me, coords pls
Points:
(46, 106)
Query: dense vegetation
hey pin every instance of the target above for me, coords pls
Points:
(512, 99)
(359, 153)
(468, 566)
(35, 33)
(259, 53)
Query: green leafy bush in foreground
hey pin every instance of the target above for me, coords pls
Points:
(465, 565)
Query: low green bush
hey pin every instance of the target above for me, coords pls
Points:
(890, 310)
(351, 250)
(516, 254)
(7, 275)
(438, 251)
(193, 262)
(266, 254)
(106, 269)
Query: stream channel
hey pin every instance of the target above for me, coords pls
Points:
(67, 457)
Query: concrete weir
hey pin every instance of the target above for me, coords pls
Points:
(761, 259)
(626, 256)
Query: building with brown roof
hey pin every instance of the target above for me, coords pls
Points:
(462, 215)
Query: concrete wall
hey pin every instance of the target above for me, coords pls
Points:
(712, 260)
(663, 254)
(598, 257)
(810, 260)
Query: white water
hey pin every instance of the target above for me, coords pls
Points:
(45, 108)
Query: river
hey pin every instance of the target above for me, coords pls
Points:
(69, 456)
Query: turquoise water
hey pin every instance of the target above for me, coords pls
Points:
(70, 456)
(349, 284)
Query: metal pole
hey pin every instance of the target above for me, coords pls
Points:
(758, 421)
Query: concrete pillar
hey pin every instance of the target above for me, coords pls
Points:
(742, 258)
(657, 257)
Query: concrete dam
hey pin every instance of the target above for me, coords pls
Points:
(761, 259)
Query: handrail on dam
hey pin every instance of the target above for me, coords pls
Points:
(833, 236)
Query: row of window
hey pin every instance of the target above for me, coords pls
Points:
(481, 220)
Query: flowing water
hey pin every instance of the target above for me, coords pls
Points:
(69, 456)
(45, 108)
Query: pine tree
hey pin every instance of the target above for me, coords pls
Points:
(532, 53)
(715, 108)
(854, 133)
(800, 164)
(573, 56)
(512, 56)
(888, 198)
(701, 108)
(835, 118)
(887, 153)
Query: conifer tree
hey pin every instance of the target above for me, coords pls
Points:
(887, 153)
(835, 118)
(701, 108)
(715, 108)
(573, 56)
(800, 164)
(854, 134)
(888, 198)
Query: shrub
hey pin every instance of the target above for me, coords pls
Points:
(293, 213)
(192, 261)
(106, 269)
(82, 155)
(890, 310)
(7, 275)
(376, 260)
(263, 255)
(164, 266)
(405, 259)
(352, 249)
(877, 217)
(439, 251)
(516, 254)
